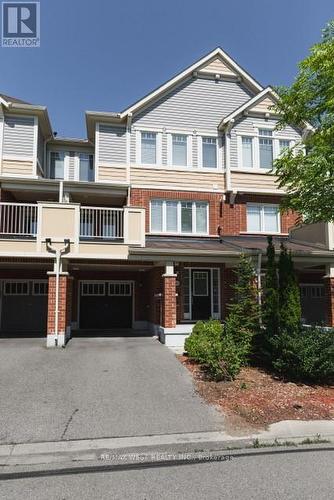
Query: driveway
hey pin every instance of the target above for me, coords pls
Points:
(96, 388)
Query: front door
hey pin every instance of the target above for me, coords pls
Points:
(201, 294)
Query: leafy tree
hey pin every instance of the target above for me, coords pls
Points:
(289, 295)
(270, 310)
(307, 173)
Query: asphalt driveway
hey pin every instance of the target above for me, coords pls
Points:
(96, 388)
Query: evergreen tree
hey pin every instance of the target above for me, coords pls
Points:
(243, 318)
(289, 296)
(270, 309)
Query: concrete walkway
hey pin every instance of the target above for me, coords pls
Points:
(96, 388)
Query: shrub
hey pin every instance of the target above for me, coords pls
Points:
(305, 355)
(214, 346)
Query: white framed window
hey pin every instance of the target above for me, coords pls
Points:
(179, 150)
(86, 167)
(266, 151)
(119, 289)
(16, 288)
(209, 152)
(40, 288)
(57, 165)
(283, 145)
(92, 288)
(247, 152)
(179, 217)
(149, 148)
(263, 218)
(313, 291)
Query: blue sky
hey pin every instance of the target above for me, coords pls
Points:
(105, 54)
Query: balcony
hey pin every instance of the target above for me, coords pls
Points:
(93, 232)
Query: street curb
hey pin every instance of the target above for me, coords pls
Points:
(56, 452)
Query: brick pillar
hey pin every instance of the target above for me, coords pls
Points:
(169, 301)
(64, 310)
(329, 300)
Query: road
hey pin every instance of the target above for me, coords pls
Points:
(302, 473)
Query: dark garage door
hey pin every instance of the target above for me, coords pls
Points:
(24, 307)
(105, 305)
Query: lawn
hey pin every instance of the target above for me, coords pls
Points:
(257, 398)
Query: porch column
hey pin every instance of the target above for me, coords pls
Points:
(169, 297)
(58, 339)
(329, 295)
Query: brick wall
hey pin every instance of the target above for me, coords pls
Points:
(169, 302)
(232, 218)
(329, 300)
(64, 304)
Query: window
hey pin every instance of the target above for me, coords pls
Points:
(179, 150)
(188, 217)
(263, 219)
(16, 288)
(201, 288)
(312, 291)
(86, 167)
(266, 148)
(40, 288)
(209, 152)
(148, 147)
(120, 289)
(283, 145)
(247, 152)
(92, 289)
(57, 164)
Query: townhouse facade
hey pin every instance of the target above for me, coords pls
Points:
(140, 225)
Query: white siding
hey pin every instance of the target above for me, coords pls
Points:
(112, 144)
(18, 136)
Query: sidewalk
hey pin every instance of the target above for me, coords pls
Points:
(126, 449)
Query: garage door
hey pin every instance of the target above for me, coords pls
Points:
(105, 304)
(24, 307)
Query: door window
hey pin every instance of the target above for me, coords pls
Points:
(201, 288)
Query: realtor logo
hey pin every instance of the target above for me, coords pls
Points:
(20, 24)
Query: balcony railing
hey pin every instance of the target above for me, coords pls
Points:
(102, 223)
(18, 219)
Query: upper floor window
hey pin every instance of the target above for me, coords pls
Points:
(265, 148)
(247, 152)
(187, 217)
(263, 218)
(283, 145)
(57, 160)
(148, 147)
(86, 167)
(209, 152)
(179, 150)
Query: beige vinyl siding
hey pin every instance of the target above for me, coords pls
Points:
(196, 104)
(250, 181)
(162, 178)
(112, 144)
(17, 167)
(218, 66)
(112, 174)
(263, 106)
(18, 136)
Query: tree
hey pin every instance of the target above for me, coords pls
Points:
(270, 310)
(307, 173)
(244, 312)
(289, 295)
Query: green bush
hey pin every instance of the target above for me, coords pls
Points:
(215, 347)
(306, 355)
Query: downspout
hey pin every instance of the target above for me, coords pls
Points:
(45, 155)
(258, 273)
(228, 155)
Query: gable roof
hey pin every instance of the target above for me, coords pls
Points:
(227, 64)
(267, 92)
(6, 100)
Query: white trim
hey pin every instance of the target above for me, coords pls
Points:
(248, 104)
(216, 52)
(35, 144)
(179, 188)
(262, 224)
(178, 203)
(1, 137)
(159, 148)
(97, 152)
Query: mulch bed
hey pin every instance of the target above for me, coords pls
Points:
(257, 398)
